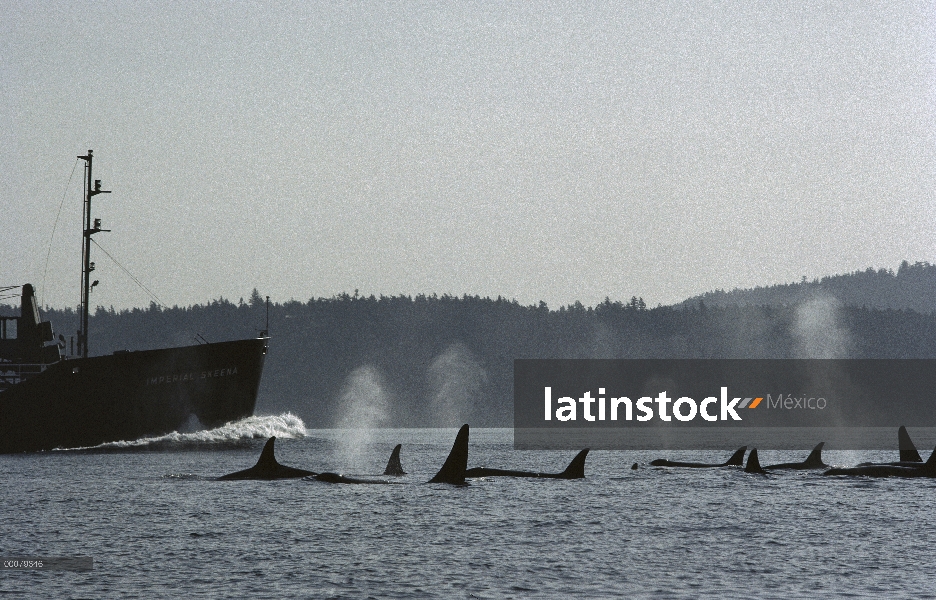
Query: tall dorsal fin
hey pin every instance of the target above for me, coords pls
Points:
(815, 457)
(267, 460)
(393, 465)
(908, 452)
(737, 459)
(753, 464)
(576, 468)
(453, 471)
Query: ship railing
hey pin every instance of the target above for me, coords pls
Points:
(14, 373)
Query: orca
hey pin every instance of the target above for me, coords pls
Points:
(909, 457)
(268, 468)
(454, 467)
(736, 460)
(813, 461)
(393, 465)
(927, 469)
(393, 468)
(753, 464)
(452, 471)
(575, 470)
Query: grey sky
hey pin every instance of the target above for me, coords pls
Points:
(555, 151)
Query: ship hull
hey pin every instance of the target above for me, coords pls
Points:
(128, 395)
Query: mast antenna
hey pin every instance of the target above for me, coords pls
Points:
(86, 265)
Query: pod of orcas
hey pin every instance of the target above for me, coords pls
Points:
(909, 465)
(455, 469)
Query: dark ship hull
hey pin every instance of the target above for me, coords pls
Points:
(48, 400)
(127, 395)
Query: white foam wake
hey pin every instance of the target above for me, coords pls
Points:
(286, 425)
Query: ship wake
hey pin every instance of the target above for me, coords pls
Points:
(230, 435)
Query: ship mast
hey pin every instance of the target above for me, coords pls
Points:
(86, 265)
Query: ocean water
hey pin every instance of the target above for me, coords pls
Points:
(158, 525)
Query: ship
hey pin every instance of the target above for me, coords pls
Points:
(51, 399)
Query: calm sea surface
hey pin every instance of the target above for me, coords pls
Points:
(158, 525)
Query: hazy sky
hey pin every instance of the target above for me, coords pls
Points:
(557, 151)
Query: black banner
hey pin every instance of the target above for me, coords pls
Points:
(701, 404)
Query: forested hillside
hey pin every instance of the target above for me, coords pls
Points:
(912, 287)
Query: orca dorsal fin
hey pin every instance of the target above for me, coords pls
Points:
(576, 468)
(737, 459)
(908, 452)
(753, 464)
(815, 457)
(393, 465)
(453, 470)
(267, 460)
